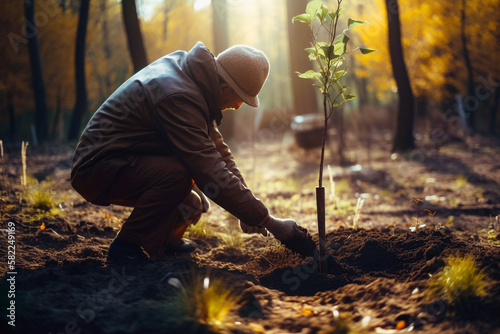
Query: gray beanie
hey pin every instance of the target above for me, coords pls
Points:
(245, 69)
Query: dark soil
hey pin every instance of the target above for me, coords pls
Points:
(377, 274)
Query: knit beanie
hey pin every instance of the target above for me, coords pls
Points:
(245, 69)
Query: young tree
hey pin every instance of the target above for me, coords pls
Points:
(303, 93)
(41, 119)
(134, 36)
(81, 89)
(403, 139)
(330, 57)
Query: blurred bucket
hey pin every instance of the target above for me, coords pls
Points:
(308, 130)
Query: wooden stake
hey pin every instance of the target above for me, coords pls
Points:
(320, 205)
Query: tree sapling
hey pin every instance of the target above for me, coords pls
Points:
(330, 57)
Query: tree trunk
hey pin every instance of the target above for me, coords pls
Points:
(12, 116)
(303, 92)
(134, 36)
(494, 111)
(81, 89)
(106, 46)
(57, 116)
(166, 9)
(38, 85)
(470, 71)
(220, 28)
(221, 42)
(403, 139)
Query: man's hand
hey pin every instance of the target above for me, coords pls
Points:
(292, 235)
(204, 200)
(252, 229)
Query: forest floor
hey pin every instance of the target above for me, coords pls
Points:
(377, 275)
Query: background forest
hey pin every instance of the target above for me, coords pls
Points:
(450, 48)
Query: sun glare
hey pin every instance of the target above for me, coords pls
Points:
(200, 4)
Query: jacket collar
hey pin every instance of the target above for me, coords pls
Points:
(200, 67)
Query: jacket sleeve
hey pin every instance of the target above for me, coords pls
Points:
(183, 121)
(225, 152)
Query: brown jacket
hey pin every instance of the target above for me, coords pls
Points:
(168, 108)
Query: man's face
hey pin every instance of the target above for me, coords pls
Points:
(229, 98)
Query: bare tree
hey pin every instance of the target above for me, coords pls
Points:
(134, 36)
(106, 46)
(38, 85)
(403, 139)
(168, 5)
(81, 89)
(471, 120)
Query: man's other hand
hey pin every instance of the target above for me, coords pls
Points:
(252, 229)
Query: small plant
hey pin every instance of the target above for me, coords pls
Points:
(461, 181)
(24, 179)
(418, 202)
(459, 282)
(415, 225)
(359, 206)
(206, 299)
(333, 197)
(232, 238)
(41, 200)
(200, 230)
(4, 182)
(492, 231)
(432, 214)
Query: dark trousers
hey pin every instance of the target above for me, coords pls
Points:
(160, 190)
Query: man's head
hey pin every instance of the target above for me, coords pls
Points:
(244, 70)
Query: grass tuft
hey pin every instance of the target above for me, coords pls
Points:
(232, 238)
(200, 230)
(459, 282)
(41, 200)
(207, 300)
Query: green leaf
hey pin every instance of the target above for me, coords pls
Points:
(340, 74)
(303, 18)
(354, 23)
(323, 13)
(366, 50)
(349, 97)
(335, 13)
(313, 6)
(310, 74)
(328, 51)
(340, 44)
(310, 50)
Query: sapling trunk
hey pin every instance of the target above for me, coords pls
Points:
(320, 206)
(320, 198)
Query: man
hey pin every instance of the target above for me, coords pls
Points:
(154, 145)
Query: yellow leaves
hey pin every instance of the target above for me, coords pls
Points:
(307, 311)
(430, 212)
(256, 328)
